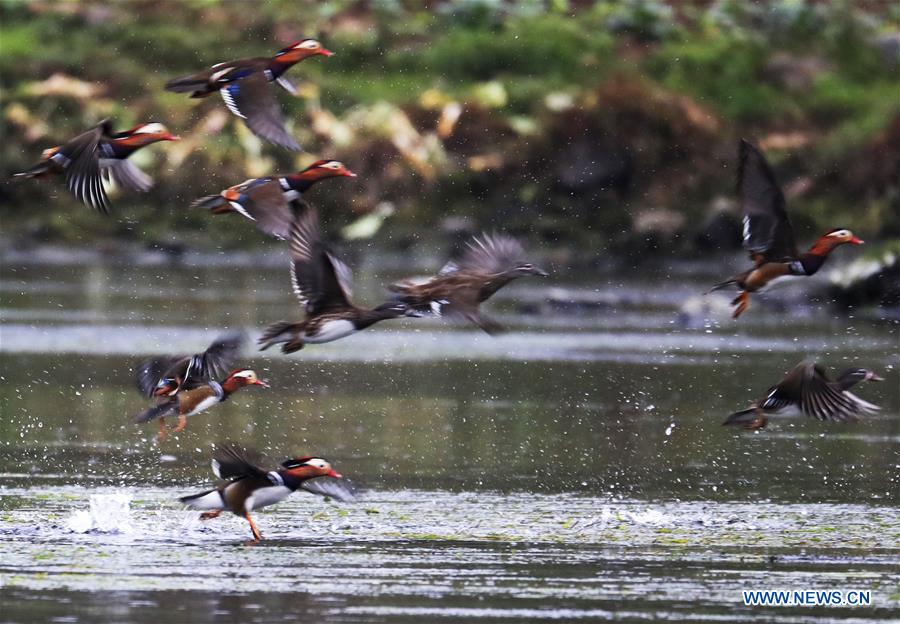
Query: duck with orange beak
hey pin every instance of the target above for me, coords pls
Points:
(249, 487)
(768, 234)
(97, 155)
(244, 86)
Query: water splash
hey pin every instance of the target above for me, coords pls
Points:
(109, 513)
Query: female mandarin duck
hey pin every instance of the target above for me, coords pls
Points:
(250, 487)
(807, 390)
(185, 385)
(244, 85)
(98, 154)
(267, 201)
(322, 284)
(488, 264)
(768, 235)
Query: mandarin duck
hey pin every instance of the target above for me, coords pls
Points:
(249, 487)
(267, 201)
(807, 390)
(768, 234)
(185, 385)
(488, 264)
(97, 155)
(244, 86)
(322, 284)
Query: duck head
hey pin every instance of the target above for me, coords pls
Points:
(309, 468)
(526, 268)
(300, 50)
(834, 238)
(322, 169)
(148, 133)
(853, 376)
(240, 378)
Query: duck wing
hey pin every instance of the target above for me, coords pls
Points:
(329, 487)
(251, 98)
(150, 373)
(268, 208)
(319, 279)
(768, 234)
(824, 399)
(488, 254)
(233, 462)
(124, 173)
(215, 362)
(80, 159)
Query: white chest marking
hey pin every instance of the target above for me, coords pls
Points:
(263, 497)
(331, 330)
(204, 404)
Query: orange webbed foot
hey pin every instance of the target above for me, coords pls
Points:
(741, 301)
(182, 423)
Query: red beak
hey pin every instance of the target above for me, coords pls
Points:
(171, 137)
(332, 473)
(349, 174)
(325, 52)
(856, 241)
(260, 382)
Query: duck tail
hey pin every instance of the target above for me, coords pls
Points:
(213, 203)
(205, 501)
(163, 409)
(195, 84)
(281, 332)
(36, 171)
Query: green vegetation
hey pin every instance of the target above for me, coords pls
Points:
(603, 123)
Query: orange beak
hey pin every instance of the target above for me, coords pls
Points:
(325, 52)
(856, 241)
(171, 137)
(349, 174)
(332, 473)
(260, 382)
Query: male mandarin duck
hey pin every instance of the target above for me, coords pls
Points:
(768, 234)
(488, 264)
(322, 284)
(807, 390)
(98, 154)
(185, 385)
(267, 201)
(249, 487)
(244, 86)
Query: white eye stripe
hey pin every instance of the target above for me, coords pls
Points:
(151, 128)
(311, 44)
(333, 164)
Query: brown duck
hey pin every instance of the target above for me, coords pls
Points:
(488, 264)
(322, 285)
(250, 487)
(807, 390)
(768, 234)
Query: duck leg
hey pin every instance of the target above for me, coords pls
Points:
(489, 326)
(162, 428)
(256, 536)
(182, 423)
(741, 301)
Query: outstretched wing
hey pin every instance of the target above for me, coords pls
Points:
(825, 400)
(150, 372)
(338, 489)
(267, 206)
(251, 98)
(233, 462)
(768, 234)
(124, 173)
(490, 254)
(81, 162)
(217, 360)
(320, 280)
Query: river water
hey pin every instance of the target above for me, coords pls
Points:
(571, 469)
